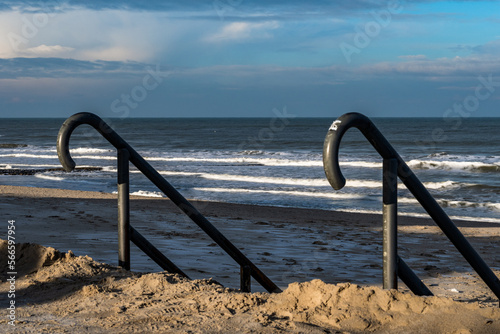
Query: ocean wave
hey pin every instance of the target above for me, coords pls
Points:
(33, 166)
(362, 164)
(49, 177)
(54, 156)
(113, 169)
(28, 155)
(86, 150)
(252, 179)
(252, 152)
(267, 161)
(171, 173)
(242, 161)
(445, 203)
(454, 165)
(147, 193)
(84, 153)
(444, 185)
(437, 154)
(351, 183)
(331, 195)
(467, 204)
(257, 152)
(252, 159)
(429, 185)
(144, 193)
(95, 157)
(317, 182)
(266, 179)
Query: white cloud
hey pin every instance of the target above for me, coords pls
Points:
(237, 31)
(47, 51)
(94, 35)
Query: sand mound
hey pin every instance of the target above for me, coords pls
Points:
(30, 257)
(349, 306)
(60, 292)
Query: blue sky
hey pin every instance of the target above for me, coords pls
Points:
(243, 58)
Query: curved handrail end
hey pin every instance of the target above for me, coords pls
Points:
(65, 133)
(331, 165)
(63, 154)
(332, 144)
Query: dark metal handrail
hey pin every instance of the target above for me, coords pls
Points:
(127, 154)
(394, 164)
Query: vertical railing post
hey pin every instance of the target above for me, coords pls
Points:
(245, 278)
(390, 216)
(123, 210)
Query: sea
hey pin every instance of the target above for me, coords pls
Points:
(269, 161)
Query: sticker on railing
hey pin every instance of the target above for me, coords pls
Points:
(335, 125)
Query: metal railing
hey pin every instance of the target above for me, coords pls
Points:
(127, 233)
(393, 167)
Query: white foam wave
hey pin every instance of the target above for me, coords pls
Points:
(322, 182)
(407, 200)
(468, 204)
(454, 203)
(444, 185)
(49, 177)
(171, 173)
(267, 161)
(113, 169)
(86, 150)
(96, 157)
(33, 166)
(429, 185)
(144, 193)
(101, 154)
(147, 193)
(266, 179)
(362, 164)
(331, 195)
(350, 183)
(251, 179)
(453, 165)
(45, 156)
(27, 155)
(242, 160)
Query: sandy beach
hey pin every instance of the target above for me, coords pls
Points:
(328, 263)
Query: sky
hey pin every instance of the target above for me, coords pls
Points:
(249, 58)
